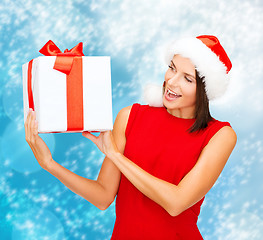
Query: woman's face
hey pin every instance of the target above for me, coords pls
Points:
(180, 88)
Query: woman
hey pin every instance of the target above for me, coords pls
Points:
(160, 161)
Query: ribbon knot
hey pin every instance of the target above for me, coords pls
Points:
(64, 61)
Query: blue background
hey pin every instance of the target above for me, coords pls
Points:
(33, 203)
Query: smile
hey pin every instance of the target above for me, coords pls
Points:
(170, 95)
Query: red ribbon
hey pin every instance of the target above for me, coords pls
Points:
(70, 63)
(64, 61)
(29, 85)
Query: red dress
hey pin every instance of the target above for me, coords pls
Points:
(159, 143)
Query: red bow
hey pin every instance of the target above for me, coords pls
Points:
(64, 61)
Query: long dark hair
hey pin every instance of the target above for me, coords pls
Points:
(202, 113)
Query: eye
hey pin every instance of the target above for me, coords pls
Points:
(172, 68)
(188, 79)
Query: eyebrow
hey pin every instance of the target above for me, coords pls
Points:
(184, 72)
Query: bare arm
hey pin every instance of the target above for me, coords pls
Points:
(89, 189)
(109, 176)
(193, 187)
(100, 192)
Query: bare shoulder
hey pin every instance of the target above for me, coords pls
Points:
(226, 136)
(122, 117)
(121, 121)
(125, 112)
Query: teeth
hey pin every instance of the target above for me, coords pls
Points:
(172, 92)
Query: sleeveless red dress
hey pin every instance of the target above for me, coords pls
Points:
(159, 143)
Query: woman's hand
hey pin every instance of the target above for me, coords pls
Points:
(38, 146)
(105, 142)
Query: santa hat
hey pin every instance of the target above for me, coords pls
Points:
(210, 60)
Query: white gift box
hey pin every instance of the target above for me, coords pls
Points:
(49, 88)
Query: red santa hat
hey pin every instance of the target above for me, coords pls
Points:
(210, 60)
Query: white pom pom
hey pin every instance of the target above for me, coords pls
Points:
(153, 95)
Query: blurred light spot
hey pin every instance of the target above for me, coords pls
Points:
(37, 224)
(13, 102)
(16, 151)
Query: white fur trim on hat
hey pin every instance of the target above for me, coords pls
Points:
(206, 61)
(153, 95)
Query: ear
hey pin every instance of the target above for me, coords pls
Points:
(153, 95)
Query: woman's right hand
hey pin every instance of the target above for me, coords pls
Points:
(38, 146)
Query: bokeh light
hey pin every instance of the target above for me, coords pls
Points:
(16, 152)
(35, 223)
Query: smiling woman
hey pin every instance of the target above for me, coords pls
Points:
(159, 161)
(180, 85)
(201, 113)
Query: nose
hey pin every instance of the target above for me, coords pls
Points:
(173, 79)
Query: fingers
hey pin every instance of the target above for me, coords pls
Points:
(35, 132)
(90, 136)
(87, 134)
(27, 131)
(31, 127)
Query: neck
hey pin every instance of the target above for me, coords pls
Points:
(181, 114)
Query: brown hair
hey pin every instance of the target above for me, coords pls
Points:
(202, 113)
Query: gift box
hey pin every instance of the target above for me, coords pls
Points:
(68, 91)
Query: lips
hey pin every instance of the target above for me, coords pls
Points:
(170, 95)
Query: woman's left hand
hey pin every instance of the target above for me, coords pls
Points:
(105, 142)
